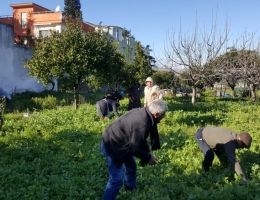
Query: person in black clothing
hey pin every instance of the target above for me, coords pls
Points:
(114, 95)
(106, 105)
(223, 142)
(134, 96)
(124, 139)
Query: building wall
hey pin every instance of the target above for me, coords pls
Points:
(7, 20)
(86, 27)
(126, 45)
(46, 17)
(27, 8)
(13, 77)
(17, 20)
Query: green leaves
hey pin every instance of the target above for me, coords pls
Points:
(73, 56)
(55, 153)
(72, 8)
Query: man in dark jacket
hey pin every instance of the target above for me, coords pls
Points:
(124, 139)
(105, 106)
(134, 98)
(223, 142)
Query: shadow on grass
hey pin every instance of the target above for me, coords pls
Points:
(171, 181)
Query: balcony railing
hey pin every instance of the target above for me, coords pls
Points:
(6, 16)
(44, 12)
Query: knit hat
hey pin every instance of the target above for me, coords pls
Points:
(149, 79)
(246, 139)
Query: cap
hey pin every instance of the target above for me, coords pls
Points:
(149, 79)
(246, 139)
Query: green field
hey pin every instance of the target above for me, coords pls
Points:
(55, 152)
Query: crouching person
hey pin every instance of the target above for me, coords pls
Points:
(223, 142)
(105, 106)
(124, 139)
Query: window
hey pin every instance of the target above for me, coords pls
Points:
(23, 20)
(116, 34)
(43, 33)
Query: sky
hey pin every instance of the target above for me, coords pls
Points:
(150, 21)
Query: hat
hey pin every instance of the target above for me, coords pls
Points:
(246, 139)
(149, 79)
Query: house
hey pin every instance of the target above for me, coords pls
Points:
(30, 19)
(33, 20)
(126, 44)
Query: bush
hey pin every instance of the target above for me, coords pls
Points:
(47, 102)
(208, 93)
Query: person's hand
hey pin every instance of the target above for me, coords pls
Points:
(153, 160)
(145, 104)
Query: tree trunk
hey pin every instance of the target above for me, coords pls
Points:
(253, 92)
(194, 93)
(76, 94)
(233, 92)
(1, 120)
(53, 85)
(221, 88)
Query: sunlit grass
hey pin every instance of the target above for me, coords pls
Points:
(55, 153)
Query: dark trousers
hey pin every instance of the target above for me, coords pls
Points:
(207, 151)
(126, 174)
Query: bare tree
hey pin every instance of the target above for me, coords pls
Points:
(249, 60)
(240, 63)
(230, 69)
(194, 53)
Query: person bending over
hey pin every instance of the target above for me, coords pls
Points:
(223, 142)
(124, 139)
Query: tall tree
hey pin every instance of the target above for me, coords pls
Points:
(126, 33)
(249, 61)
(72, 8)
(135, 73)
(142, 63)
(240, 63)
(112, 73)
(229, 68)
(72, 56)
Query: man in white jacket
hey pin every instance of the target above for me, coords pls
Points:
(151, 92)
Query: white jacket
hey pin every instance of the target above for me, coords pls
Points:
(152, 93)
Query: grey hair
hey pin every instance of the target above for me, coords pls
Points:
(158, 106)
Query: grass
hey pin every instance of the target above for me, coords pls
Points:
(55, 152)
